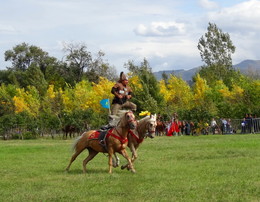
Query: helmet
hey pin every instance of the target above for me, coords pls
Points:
(123, 76)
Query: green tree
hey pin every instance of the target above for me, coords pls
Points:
(4, 77)
(24, 55)
(216, 49)
(81, 64)
(35, 77)
(100, 68)
(78, 59)
(29, 66)
(165, 77)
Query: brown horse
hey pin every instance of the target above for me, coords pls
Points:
(116, 141)
(160, 128)
(145, 128)
(69, 130)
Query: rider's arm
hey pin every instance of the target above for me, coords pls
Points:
(114, 91)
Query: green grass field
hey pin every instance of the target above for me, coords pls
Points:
(202, 168)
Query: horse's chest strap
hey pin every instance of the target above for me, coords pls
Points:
(122, 140)
(138, 140)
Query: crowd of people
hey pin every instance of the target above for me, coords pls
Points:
(249, 124)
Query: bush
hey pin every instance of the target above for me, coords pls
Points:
(28, 135)
(16, 136)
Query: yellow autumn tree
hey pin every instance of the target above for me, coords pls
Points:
(200, 89)
(203, 105)
(165, 91)
(82, 95)
(52, 102)
(27, 100)
(233, 96)
(177, 93)
(7, 93)
(135, 83)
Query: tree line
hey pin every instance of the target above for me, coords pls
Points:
(40, 91)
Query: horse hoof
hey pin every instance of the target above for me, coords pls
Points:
(133, 171)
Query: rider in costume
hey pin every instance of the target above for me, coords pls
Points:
(123, 93)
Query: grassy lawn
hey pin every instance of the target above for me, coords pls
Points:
(203, 168)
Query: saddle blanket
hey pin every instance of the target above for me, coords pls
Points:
(99, 135)
(94, 135)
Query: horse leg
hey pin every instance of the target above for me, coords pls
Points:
(134, 157)
(130, 165)
(110, 161)
(127, 165)
(91, 155)
(66, 135)
(115, 161)
(74, 156)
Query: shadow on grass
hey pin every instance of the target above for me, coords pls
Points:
(80, 171)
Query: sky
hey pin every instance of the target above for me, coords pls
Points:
(165, 32)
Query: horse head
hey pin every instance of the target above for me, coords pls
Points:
(151, 126)
(128, 119)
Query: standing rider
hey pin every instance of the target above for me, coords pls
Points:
(123, 93)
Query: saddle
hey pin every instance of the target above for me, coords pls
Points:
(102, 138)
(100, 135)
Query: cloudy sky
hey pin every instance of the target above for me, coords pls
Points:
(165, 32)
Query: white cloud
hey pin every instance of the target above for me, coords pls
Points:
(244, 16)
(207, 4)
(160, 29)
(7, 29)
(162, 53)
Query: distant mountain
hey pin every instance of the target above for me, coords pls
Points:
(248, 65)
(245, 67)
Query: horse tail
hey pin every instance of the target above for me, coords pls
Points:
(75, 144)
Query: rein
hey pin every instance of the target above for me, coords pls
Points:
(136, 137)
(122, 140)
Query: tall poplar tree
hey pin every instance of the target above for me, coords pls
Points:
(216, 49)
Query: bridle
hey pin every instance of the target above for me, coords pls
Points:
(149, 130)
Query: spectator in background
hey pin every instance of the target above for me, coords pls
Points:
(193, 128)
(255, 128)
(229, 126)
(174, 129)
(187, 128)
(224, 126)
(181, 127)
(243, 126)
(249, 122)
(213, 125)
